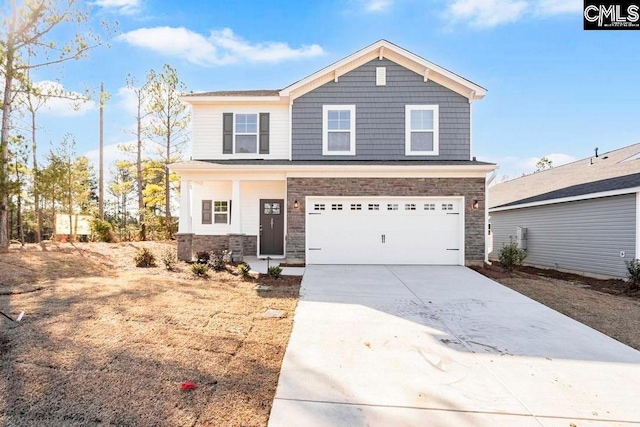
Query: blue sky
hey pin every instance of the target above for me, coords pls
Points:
(553, 89)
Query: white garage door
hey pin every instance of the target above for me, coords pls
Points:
(384, 230)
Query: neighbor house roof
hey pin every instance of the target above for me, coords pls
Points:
(615, 170)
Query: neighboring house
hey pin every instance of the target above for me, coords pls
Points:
(367, 161)
(582, 217)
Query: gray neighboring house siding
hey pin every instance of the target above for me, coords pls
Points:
(380, 115)
(583, 236)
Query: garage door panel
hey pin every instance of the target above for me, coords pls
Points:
(384, 231)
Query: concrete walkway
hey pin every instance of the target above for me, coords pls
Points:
(445, 346)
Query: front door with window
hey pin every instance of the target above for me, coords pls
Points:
(271, 227)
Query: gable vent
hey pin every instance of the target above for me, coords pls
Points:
(381, 76)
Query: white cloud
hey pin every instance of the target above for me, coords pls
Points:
(219, 48)
(377, 5)
(62, 102)
(123, 7)
(486, 13)
(557, 7)
(483, 14)
(511, 167)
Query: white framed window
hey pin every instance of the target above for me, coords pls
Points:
(339, 130)
(447, 206)
(221, 212)
(421, 130)
(245, 133)
(318, 207)
(374, 207)
(356, 206)
(409, 206)
(336, 207)
(392, 206)
(429, 206)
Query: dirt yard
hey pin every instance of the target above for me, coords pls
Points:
(605, 305)
(106, 343)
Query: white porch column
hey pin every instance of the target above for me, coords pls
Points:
(236, 214)
(184, 224)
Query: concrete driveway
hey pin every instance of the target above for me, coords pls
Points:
(445, 346)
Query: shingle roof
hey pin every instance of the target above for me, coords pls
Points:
(257, 92)
(617, 169)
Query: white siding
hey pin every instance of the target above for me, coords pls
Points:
(585, 236)
(211, 190)
(250, 194)
(207, 131)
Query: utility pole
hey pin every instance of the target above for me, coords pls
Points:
(101, 183)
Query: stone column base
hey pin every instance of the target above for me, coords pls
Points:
(185, 246)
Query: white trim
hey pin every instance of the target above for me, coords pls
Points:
(290, 130)
(470, 131)
(281, 171)
(389, 50)
(436, 129)
(325, 130)
(569, 199)
(638, 225)
(462, 254)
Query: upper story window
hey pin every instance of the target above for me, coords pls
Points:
(246, 133)
(339, 130)
(421, 135)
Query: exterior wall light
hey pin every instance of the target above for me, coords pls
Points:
(295, 204)
(476, 205)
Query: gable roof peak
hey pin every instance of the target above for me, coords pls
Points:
(388, 50)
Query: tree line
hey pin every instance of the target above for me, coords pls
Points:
(33, 191)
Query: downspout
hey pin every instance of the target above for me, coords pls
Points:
(488, 182)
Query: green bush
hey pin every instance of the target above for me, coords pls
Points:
(169, 259)
(633, 274)
(510, 256)
(274, 271)
(144, 258)
(243, 270)
(200, 270)
(103, 230)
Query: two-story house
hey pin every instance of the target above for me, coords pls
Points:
(367, 161)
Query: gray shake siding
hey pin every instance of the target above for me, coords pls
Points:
(585, 236)
(380, 115)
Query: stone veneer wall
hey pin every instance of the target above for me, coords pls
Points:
(190, 244)
(470, 188)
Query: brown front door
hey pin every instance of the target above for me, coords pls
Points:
(271, 227)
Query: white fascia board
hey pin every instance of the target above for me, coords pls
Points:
(568, 199)
(228, 99)
(468, 171)
(480, 92)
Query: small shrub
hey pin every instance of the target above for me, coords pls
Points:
(103, 230)
(216, 262)
(227, 256)
(203, 257)
(199, 270)
(243, 270)
(169, 259)
(510, 256)
(144, 258)
(274, 271)
(633, 274)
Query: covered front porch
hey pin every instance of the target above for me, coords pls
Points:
(246, 215)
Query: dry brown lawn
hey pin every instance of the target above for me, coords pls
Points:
(604, 305)
(106, 343)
